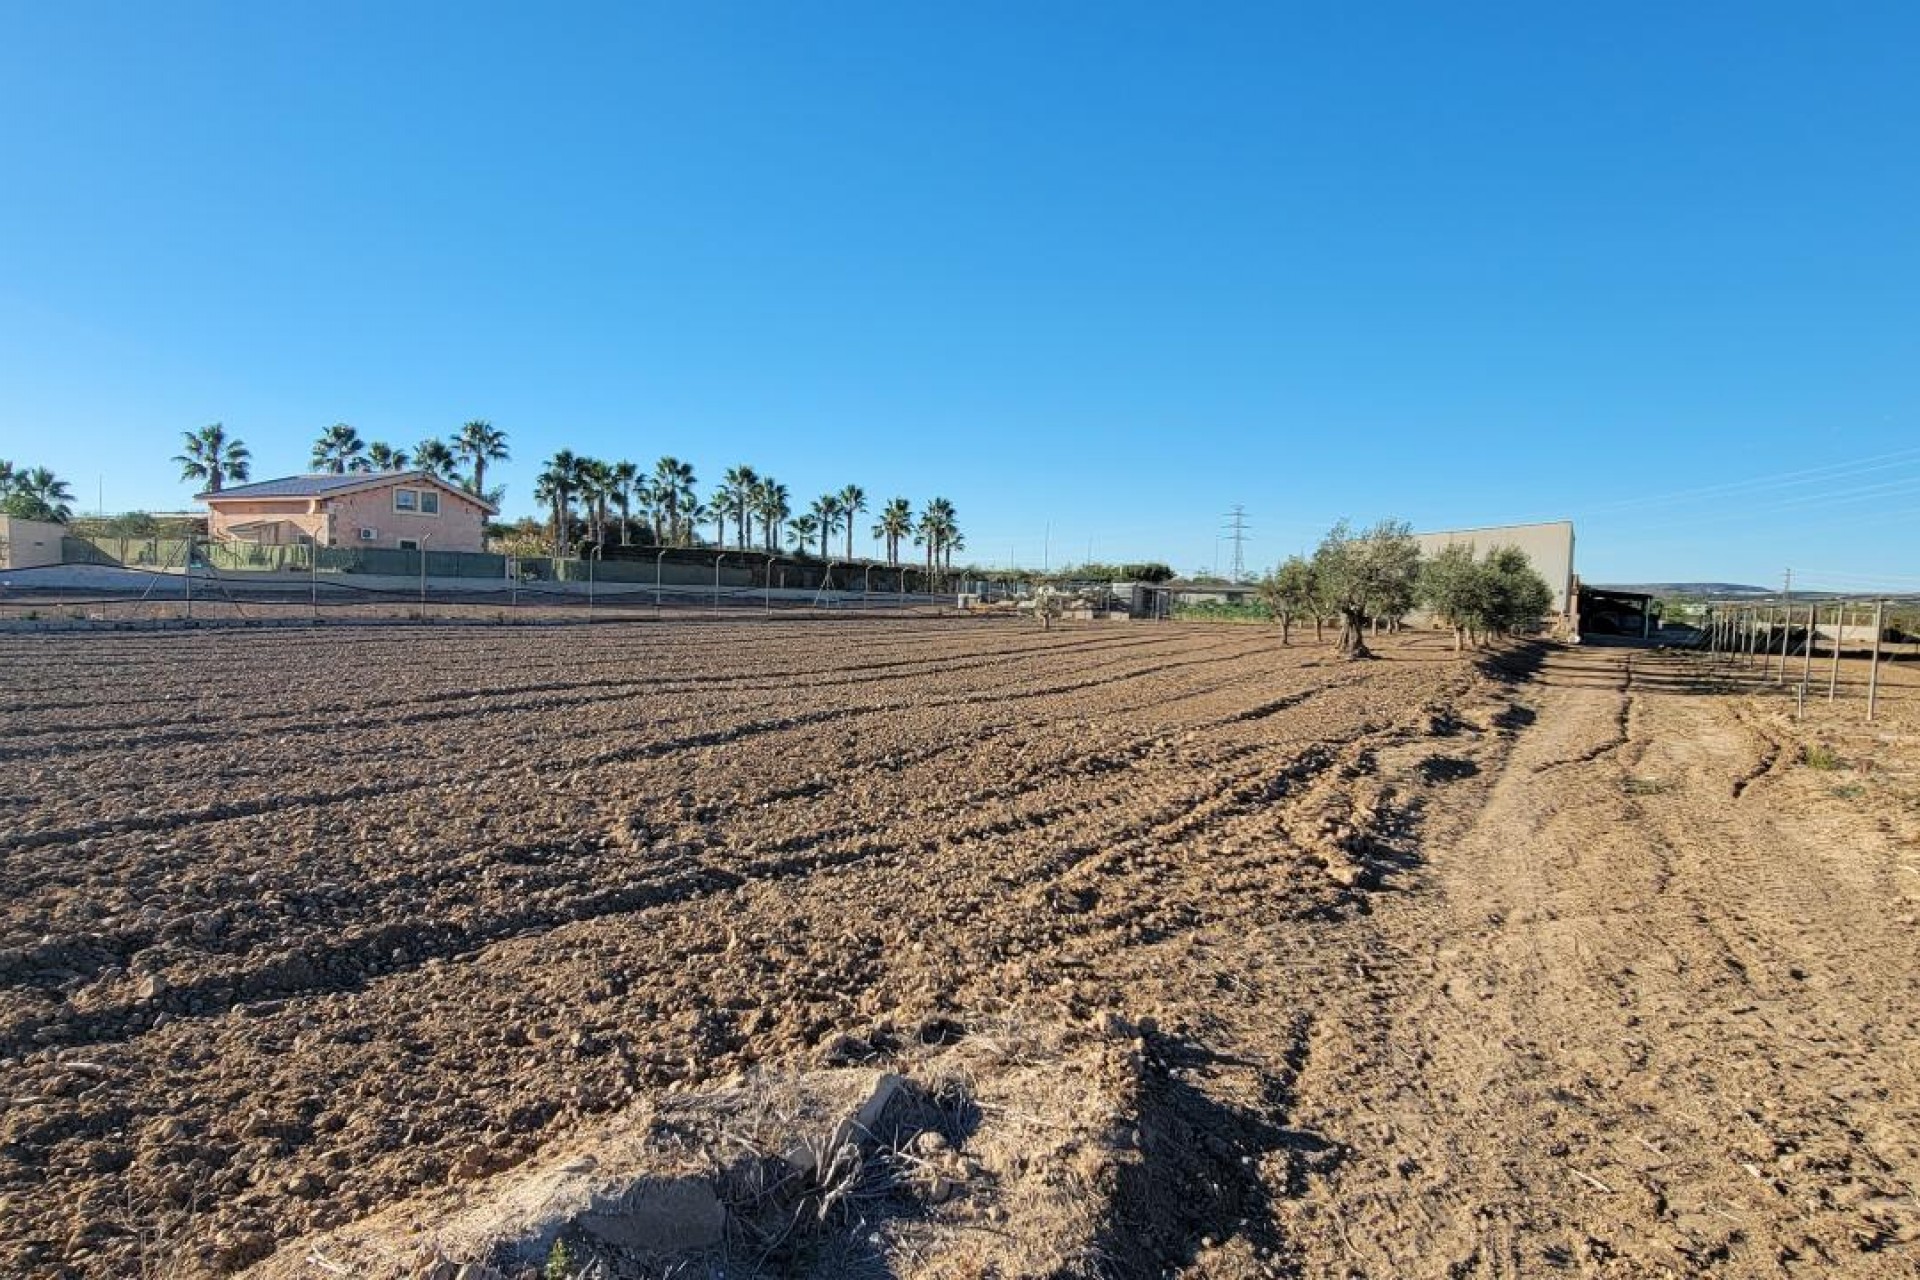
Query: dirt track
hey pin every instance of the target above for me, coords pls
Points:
(1652, 1010)
(1409, 969)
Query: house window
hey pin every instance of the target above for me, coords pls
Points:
(406, 499)
(409, 544)
(429, 503)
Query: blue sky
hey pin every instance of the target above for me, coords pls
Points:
(1094, 273)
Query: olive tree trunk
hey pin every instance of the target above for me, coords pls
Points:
(1353, 634)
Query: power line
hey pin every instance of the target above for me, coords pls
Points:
(1236, 529)
(1778, 480)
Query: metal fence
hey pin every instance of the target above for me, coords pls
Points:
(1801, 643)
(150, 580)
(636, 565)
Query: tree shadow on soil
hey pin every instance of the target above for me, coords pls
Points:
(1200, 1172)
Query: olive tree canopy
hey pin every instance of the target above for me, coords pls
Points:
(1291, 591)
(1495, 595)
(1366, 575)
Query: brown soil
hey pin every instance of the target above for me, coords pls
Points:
(1257, 963)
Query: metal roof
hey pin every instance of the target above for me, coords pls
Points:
(326, 484)
(312, 485)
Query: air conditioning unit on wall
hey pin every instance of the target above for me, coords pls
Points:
(368, 535)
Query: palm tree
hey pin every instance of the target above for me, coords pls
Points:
(673, 496)
(480, 443)
(802, 530)
(745, 483)
(6, 477)
(338, 450)
(937, 531)
(826, 510)
(212, 458)
(853, 500)
(624, 476)
(770, 503)
(594, 480)
(37, 494)
(555, 486)
(384, 457)
(720, 505)
(434, 458)
(896, 522)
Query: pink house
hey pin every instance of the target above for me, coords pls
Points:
(402, 510)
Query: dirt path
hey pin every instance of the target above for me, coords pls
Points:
(1651, 1010)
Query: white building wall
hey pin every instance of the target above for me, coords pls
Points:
(29, 544)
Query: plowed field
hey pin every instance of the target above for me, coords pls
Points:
(299, 922)
(1386, 968)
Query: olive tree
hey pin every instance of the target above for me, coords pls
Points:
(1520, 597)
(1453, 585)
(1292, 591)
(1496, 595)
(1364, 576)
(1048, 603)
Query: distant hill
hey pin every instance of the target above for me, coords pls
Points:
(1684, 588)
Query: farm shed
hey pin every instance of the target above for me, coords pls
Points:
(392, 510)
(1613, 611)
(1548, 546)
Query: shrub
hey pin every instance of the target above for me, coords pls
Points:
(1818, 756)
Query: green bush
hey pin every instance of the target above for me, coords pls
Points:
(1817, 756)
(1220, 611)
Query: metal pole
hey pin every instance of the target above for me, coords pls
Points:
(423, 579)
(1786, 632)
(716, 582)
(866, 588)
(313, 581)
(590, 562)
(1806, 664)
(189, 577)
(1873, 671)
(656, 580)
(769, 584)
(1839, 634)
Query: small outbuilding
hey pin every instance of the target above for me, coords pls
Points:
(30, 544)
(390, 510)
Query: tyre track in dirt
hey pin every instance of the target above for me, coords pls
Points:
(1652, 1012)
